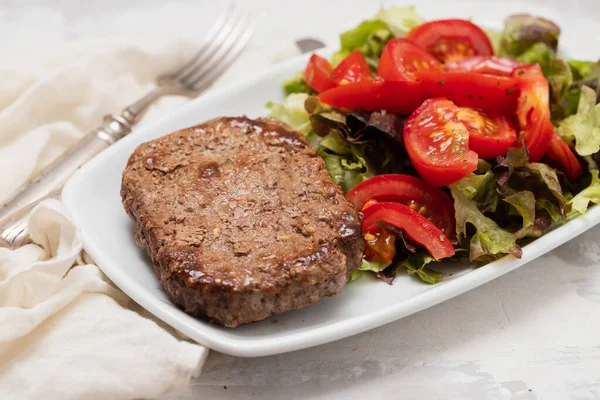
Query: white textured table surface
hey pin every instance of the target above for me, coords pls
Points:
(532, 334)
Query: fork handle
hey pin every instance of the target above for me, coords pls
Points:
(57, 173)
(44, 185)
(49, 181)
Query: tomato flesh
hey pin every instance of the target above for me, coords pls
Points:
(416, 227)
(490, 65)
(380, 246)
(317, 74)
(451, 39)
(437, 143)
(466, 89)
(561, 155)
(401, 59)
(469, 89)
(398, 97)
(353, 68)
(489, 136)
(533, 110)
(427, 200)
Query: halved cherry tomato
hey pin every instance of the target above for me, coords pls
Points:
(419, 229)
(491, 65)
(469, 89)
(466, 89)
(533, 110)
(451, 39)
(401, 58)
(427, 200)
(375, 95)
(489, 136)
(437, 143)
(560, 154)
(353, 68)
(317, 74)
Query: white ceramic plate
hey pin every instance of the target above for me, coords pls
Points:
(93, 200)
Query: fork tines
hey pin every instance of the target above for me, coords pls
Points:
(223, 44)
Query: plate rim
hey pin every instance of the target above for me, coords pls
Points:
(173, 316)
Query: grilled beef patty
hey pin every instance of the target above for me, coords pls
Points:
(241, 219)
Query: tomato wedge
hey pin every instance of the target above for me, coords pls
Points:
(401, 58)
(495, 94)
(491, 65)
(375, 95)
(427, 200)
(451, 39)
(417, 228)
(437, 143)
(317, 74)
(489, 136)
(533, 110)
(353, 68)
(561, 155)
(466, 89)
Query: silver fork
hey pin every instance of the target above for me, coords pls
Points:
(223, 44)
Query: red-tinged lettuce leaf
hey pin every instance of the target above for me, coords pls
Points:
(522, 31)
(535, 222)
(548, 179)
(541, 222)
(551, 208)
(365, 125)
(516, 175)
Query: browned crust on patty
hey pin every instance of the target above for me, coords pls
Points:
(241, 219)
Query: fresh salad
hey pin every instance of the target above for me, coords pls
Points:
(452, 141)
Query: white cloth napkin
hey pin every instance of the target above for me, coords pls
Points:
(65, 331)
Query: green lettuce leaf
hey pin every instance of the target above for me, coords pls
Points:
(584, 69)
(415, 264)
(400, 20)
(585, 73)
(583, 128)
(591, 194)
(354, 275)
(496, 39)
(539, 53)
(357, 37)
(489, 242)
(374, 266)
(551, 208)
(297, 85)
(346, 163)
(524, 205)
(371, 36)
(292, 112)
